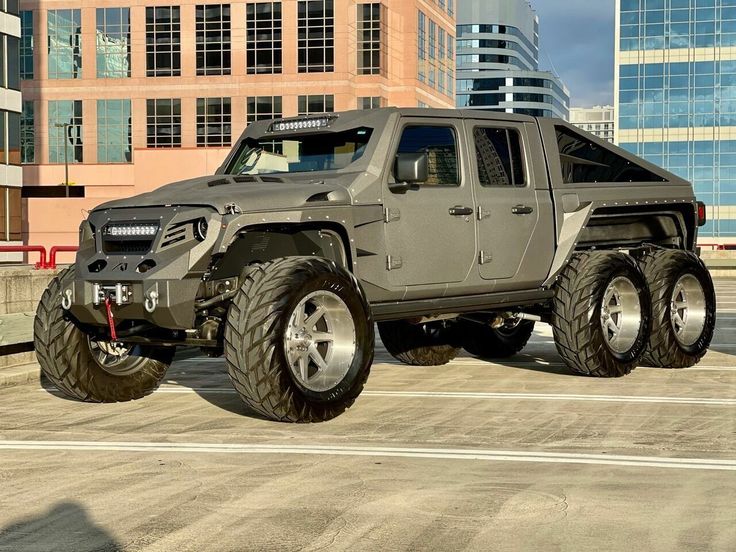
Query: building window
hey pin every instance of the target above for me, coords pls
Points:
(163, 123)
(422, 46)
(113, 43)
(309, 105)
(260, 108)
(65, 131)
(27, 134)
(369, 39)
(214, 118)
(370, 102)
(263, 37)
(26, 45)
(213, 39)
(9, 58)
(9, 138)
(316, 36)
(65, 44)
(441, 41)
(10, 214)
(451, 7)
(113, 131)
(163, 41)
(432, 39)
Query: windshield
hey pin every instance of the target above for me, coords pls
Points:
(315, 152)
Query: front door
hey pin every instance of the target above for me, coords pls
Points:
(430, 230)
(508, 210)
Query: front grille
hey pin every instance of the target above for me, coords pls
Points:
(177, 233)
(112, 246)
(129, 237)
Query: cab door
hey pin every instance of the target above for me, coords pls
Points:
(510, 205)
(430, 229)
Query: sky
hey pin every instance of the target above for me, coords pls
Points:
(577, 37)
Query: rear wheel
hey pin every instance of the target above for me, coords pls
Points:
(601, 314)
(84, 368)
(484, 341)
(299, 339)
(428, 344)
(683, 308)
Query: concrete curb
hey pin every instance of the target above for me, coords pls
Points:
(20, 375)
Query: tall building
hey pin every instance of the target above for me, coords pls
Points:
(138, 95)
(598, 120)
(498, 61)
(11, 176)
(676, 96)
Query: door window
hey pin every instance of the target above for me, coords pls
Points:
(498, 156)
(440, 143)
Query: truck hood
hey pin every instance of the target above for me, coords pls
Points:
(249, 193)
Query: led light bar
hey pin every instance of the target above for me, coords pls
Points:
(301, 124)
(131, 230)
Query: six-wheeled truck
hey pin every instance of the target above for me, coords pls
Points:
(450, 229)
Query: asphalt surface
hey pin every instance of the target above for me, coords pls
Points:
(519, 455)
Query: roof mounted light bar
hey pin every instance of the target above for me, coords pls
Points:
(304, 123)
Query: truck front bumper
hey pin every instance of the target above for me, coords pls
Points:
(164, 303)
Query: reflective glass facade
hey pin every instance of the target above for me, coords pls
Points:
(498, 62)
(676, 96)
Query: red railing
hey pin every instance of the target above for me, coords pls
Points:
(41, 250)
(713, 246)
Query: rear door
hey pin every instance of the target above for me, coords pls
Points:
(430, 231)
(514, 209)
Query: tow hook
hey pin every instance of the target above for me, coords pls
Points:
(66, 300)
(151, 301)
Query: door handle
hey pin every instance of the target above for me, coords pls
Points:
(522, 210)
(460, 211)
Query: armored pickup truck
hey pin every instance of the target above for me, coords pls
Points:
(450, 229)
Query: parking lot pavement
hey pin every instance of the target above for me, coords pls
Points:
(518, 455)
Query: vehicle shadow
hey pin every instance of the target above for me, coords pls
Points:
(66, 526)
(208, 378)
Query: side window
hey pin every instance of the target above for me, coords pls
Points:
(583, 161)
(498, 155)
(440, 143)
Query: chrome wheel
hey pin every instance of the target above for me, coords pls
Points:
(621, 315)
(114, 358)
(319, 342)
(687, 310)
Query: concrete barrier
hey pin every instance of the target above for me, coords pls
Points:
(21, 288)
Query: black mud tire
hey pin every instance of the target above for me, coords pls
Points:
(429, 344)
(255, 330)
(576, 314)
(63, 351)
(662, 270)
(485, 342)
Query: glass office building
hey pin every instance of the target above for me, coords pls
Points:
(11, 177)
(676, 96)
(498, 61)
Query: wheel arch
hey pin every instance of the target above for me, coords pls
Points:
(624, 228)
(262, 243)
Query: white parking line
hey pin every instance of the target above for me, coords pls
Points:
(489, 396)
(425, 453)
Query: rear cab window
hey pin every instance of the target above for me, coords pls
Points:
(498, 155)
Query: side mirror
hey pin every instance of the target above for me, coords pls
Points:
(410, 169)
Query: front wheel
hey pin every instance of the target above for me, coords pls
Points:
(683, 308)
(86, 369)
(601, 313)
(299, 339)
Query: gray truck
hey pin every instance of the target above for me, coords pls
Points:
(450, 229)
